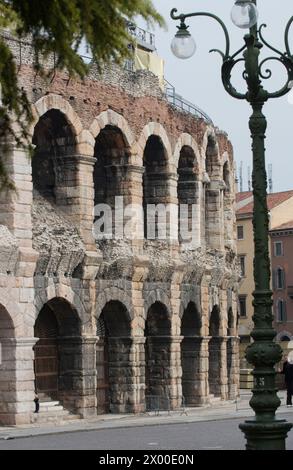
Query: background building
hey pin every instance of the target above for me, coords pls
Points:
(280, 207)
(282, 275)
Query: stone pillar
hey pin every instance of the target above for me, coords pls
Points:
(77, 377)
(214, 216)
(175, 387)
(233, 370)
(223, 369)
(75, 194)
(229, 221)
(17, 381)
(15, 206)
(203, 386)
(137, 364)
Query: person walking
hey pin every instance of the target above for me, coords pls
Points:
(288, 372)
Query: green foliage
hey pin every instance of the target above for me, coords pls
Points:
(60, 26)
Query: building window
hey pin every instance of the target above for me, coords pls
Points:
(280, 278)
(278, 248)
(242, 264)
(240, 232)
(281, 310)
(242, 306)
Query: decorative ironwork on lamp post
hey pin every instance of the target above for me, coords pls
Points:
(265, 430)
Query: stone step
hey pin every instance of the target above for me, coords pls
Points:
(39, 418)
(48, 407)
(213, 399)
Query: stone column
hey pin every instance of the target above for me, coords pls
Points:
(175, 387)
(233, 371)
(17, 381)
(77, 377)
(75, 194)
(203, 385)
(137, 364)
(223, 369)
(15, 206)
(214, 216)
(229, 221)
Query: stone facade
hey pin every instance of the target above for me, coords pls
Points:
(111, 325)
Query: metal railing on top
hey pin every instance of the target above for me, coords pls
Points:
(144, 38)
(180, 103)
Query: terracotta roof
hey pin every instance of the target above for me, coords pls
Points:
(274, 200)
(243, 195)
(286, 226)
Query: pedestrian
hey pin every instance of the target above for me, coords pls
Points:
(288, 372)
(37, 403)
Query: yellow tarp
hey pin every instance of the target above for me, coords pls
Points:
(150, 61)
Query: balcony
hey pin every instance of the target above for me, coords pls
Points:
(144, 38)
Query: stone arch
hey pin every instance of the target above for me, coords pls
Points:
(55, 141)
(157, 295)
(156, 129)
(111, 118)
(44, 296)
(112, 175)
(57, 102)
(114, 294)
(186, 140)
(210, 148)
(58, 352)
(16, 316)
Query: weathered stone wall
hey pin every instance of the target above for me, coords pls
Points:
(48, 255)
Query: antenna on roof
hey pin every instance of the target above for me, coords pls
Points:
(249, 178)
(270, 179)
(241, 177)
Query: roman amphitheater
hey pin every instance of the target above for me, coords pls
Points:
(110, 325)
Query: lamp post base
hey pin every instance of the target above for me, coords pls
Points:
(262, 435)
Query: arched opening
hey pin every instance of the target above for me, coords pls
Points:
(55, 142)
(110, 174)
(58, 361)
(114, 370)
(214, 352)
(7, 368)
(157, 357)
(190, 355)
(155, 187)
(188, 196)
(285, 338)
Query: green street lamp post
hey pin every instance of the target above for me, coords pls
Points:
(264, 431)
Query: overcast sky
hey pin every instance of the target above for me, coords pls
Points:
(198, 80)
